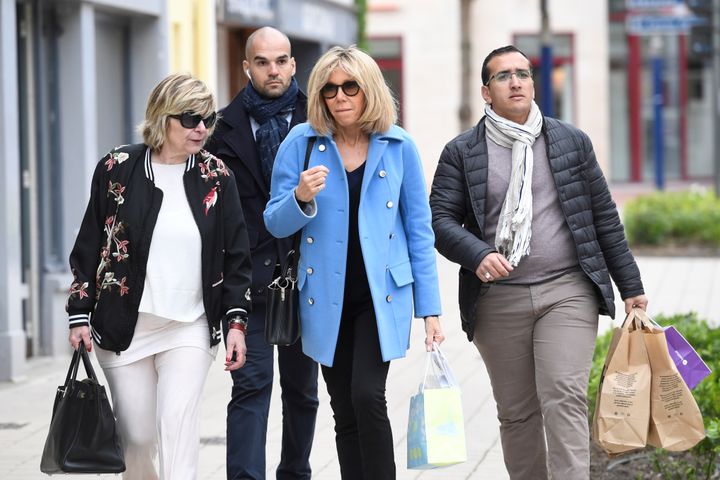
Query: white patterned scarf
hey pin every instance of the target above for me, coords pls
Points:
(514, 225)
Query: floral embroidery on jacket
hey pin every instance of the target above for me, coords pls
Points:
(78, 288)
(210, 199)
(116, 190)
(211, 167)
(117, 248)
(116, 158)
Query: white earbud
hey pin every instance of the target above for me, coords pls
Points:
(247, 72)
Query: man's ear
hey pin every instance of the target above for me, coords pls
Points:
(485, 92)
(246, 68)
(292, 61)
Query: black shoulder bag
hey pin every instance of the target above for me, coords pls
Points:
(82, 436)
(282, 324)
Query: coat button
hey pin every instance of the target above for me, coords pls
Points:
(321, 147)
(267, 262)
(389, 204)
(388, 298)
(309, 239)
(382, 173)
(260, 290)
(311, 301)
(309, 270)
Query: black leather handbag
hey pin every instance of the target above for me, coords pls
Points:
(82, 437)
(282, 323)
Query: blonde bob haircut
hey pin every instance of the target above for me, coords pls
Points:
(175, 94)
(380, 108)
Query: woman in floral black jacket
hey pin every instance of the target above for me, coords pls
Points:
(161, 259)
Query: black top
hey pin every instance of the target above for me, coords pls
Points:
(357, 289)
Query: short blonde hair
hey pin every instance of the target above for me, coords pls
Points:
(380, 108)
(175, 94)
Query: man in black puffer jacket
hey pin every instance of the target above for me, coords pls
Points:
(521, 204)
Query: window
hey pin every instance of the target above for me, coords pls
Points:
(387, 52)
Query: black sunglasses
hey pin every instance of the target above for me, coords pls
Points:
(191, 120)
(349, 88)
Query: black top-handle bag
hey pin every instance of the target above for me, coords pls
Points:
(282, 324)
(82, 437)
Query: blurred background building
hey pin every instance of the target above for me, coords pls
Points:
(74, 83)
(75, 75)
(424, 39)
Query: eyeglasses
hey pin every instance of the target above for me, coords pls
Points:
(349, 88)
(506, 75)
(191, 120)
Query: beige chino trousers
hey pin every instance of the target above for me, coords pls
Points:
(537, 343)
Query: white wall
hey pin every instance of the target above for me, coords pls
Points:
(430, 35)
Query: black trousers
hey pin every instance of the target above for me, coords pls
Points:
(247, 411)
(356, 384)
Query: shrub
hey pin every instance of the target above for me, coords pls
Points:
(702, 460)
(681, 218)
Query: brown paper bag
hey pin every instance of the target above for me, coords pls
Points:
(622, 410)
(676, 423)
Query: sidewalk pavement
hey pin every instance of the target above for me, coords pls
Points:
(674, 285)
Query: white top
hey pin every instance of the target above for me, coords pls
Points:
(173, 280)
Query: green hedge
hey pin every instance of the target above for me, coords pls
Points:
(702, 460)
(674, 218)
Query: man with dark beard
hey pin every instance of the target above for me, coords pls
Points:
(247, 137)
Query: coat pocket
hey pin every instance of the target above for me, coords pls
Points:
(402, 273)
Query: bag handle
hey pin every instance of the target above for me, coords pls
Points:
(439, 361)
(638, 319)
(79, 354)
(292, 260)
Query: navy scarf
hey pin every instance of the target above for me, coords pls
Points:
(271, 114)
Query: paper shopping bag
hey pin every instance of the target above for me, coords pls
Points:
(436, 431)
(691, 366)
(676, 423)
(622, 410)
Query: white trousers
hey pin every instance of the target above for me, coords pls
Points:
(157, 405)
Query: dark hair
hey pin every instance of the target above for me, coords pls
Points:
(495, 53)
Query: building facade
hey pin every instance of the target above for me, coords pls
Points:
(685, 133)
(313, 26)
(424, 39)
(75, 76)
(602, 75)
(74, 84)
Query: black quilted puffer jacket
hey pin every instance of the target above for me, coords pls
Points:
(458, 199)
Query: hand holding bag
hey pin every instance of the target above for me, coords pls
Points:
(436, 429)
(282, 324)
(82, 437)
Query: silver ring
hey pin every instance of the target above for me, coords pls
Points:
(488, 275)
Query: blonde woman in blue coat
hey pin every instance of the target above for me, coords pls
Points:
(367, 248)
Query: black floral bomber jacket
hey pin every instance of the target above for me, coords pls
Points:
(110, 255)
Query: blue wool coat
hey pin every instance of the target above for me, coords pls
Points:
(396, 238)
